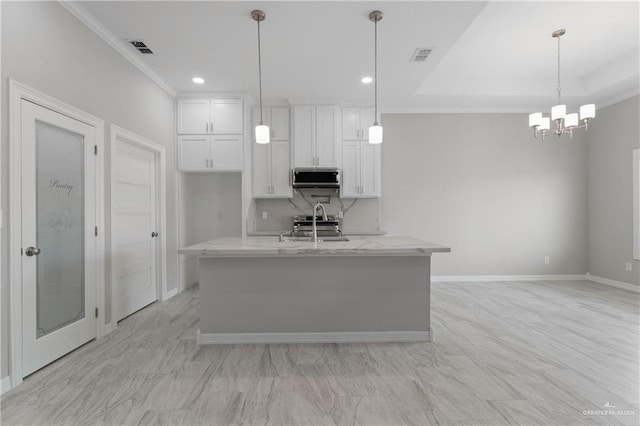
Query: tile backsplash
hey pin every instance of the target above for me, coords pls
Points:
(360, 215)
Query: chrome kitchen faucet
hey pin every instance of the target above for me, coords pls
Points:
(324, 217)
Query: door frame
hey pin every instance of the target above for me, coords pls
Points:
(18, 92)
(160, 155)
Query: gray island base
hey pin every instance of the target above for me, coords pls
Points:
(261, 290)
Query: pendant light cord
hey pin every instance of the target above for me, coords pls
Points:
(260, 71)
(559, 89)
(375, 72)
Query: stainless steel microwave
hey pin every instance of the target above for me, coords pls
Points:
(316, 178)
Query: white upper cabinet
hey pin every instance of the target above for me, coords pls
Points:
(360, 170)
(356, 123)
(271, 170)
(369, 170)
(277, 118)
(203, 153)
(194, 153)
(193, 116)
(304, 136)
(272, 161)
(210, 116)
(315, 136)
(327, 130)
(281, 169)
(360, 159)
(350, 185)
(226, 116)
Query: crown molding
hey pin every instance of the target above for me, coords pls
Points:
(103, 32)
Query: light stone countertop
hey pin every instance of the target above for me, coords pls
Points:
(356, 246)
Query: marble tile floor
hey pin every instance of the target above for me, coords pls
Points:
(504, 353)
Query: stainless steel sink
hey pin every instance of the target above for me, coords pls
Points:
(287, 238)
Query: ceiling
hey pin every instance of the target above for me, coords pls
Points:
(487, 55)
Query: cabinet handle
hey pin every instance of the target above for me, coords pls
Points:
(211, 126)
(207, 127)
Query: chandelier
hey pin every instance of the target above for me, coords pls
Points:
(564, 123)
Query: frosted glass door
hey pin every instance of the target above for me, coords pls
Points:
(59, 227)
(58, 242)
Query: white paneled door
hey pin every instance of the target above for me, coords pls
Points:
(58, 241)
(135, 228)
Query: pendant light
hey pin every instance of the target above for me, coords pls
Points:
(262, 130)
(565, 123)
(375, 131)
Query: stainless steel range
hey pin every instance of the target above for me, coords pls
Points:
(303, 226)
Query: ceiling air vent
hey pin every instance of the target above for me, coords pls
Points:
(421, 54)
(142, 48)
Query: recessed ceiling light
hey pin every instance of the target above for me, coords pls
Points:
(198, 80)
(366, 80)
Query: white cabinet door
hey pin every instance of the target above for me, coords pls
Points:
(350, 169)
(226, 116)
(327, 121)
(226, 153)
(193, 153)
(367, 117)
(369, 170)
(304, 136)
(279, 123)
(193, 116)
(280, 169)
(261, 170)
(351, 124)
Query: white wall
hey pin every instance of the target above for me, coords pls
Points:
(613, 136)
(482, 185)
(211, 207)
(45, 47)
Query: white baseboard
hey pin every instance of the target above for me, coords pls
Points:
(614, 283)
(169, 294)
(5, 385)
(476, 278)
(337, 337)
(568, 277)
(111, 327)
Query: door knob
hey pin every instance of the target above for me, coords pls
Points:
(32, 251)
(154, 234)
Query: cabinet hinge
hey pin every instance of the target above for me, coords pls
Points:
(95, 149)
(96, 312)
(95, 231)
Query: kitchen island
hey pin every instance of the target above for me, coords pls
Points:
(262, 290)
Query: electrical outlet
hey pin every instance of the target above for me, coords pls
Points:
(629, 266)
(340, 214)
(547, 260)
(264, 215)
